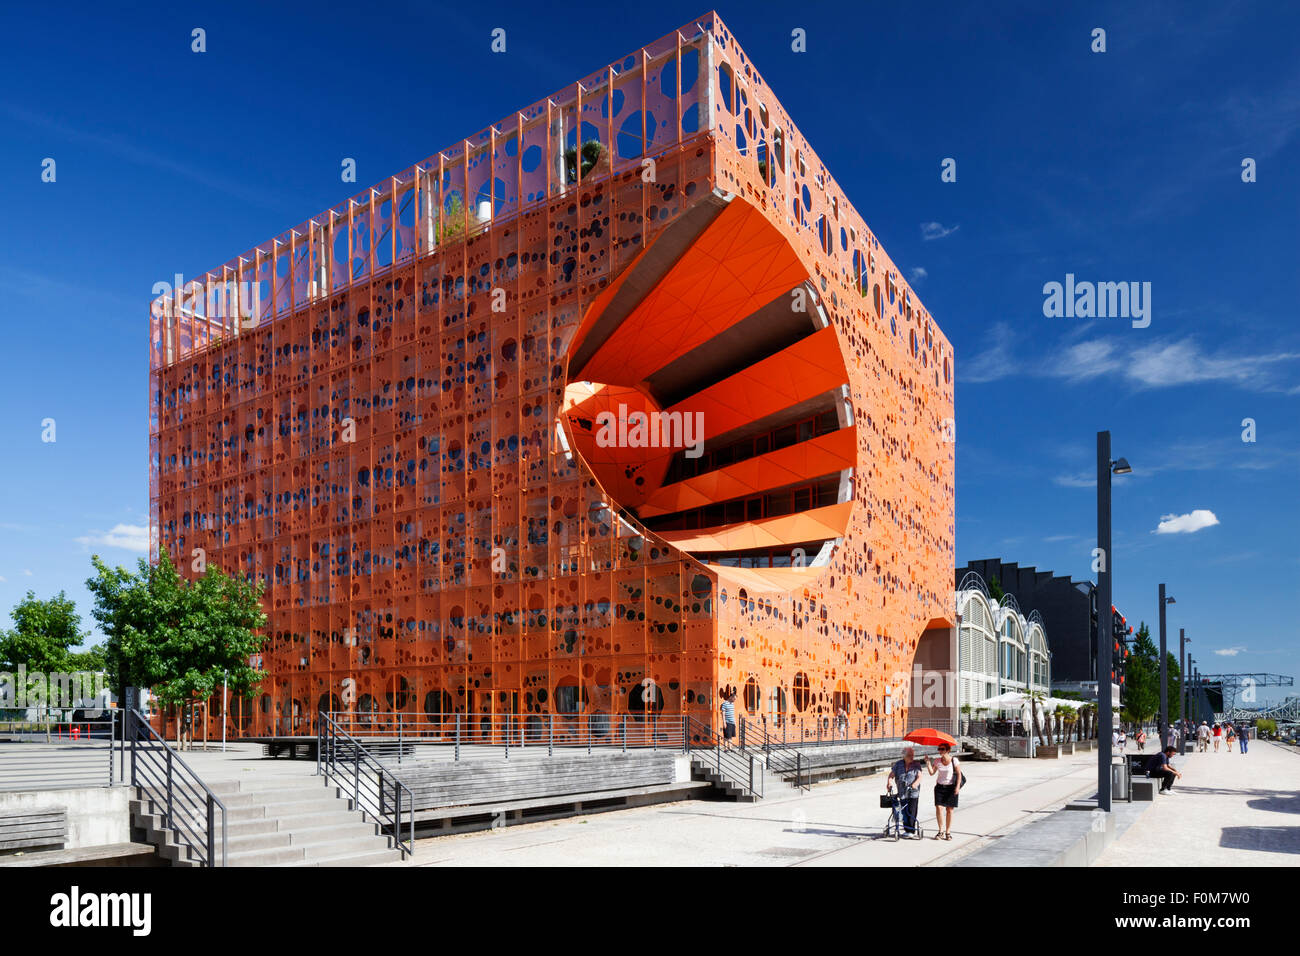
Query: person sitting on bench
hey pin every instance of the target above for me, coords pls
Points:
(1161, 767)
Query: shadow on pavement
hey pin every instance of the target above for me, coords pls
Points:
(1279, 801)
(1265, 839)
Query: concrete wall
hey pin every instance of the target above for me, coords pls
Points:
(96, 815)
(936, 652)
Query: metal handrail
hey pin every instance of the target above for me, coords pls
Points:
(397, 733)
(376, 791)
(781, 757)
(741, 770)
(188, 805)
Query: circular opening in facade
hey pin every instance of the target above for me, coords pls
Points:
(717, 422)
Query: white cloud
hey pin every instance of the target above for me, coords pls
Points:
(1171, 363)
(995, 361)
(1229, 651)
(917, 274)
(1186, 524)
(936, 230)
(27, 572)
(1163, 364)
(3, 579)
(129, 537)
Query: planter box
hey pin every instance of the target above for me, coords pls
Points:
(1047, 753)
(1067, 749)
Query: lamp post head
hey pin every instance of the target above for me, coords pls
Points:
(1170, 600)
(1121, 467)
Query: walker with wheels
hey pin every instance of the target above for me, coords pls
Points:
(895, 828)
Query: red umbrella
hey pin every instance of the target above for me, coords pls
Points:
(929, 737)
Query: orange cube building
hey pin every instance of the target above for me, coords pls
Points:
(606, 409)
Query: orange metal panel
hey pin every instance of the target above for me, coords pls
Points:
(386, 440)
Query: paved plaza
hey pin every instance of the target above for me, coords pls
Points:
(1229, 809)
(834, 824)
(1232, 809)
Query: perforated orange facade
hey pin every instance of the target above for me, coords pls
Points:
(611, 406)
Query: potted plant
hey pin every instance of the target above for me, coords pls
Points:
(593, 151)
(1066, 715)
(1041, 728)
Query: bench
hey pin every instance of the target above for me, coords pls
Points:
(474, 794)
(43, 829)
(485, 816)
(109, 854)
(305, 747)
(445, 783)
(1144, 787)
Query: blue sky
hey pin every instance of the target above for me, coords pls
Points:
(1115, 166)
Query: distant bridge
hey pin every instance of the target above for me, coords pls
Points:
(1228, 686)
(1284, 712)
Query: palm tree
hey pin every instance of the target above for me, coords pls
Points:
(1036, 699)
(1067, 715)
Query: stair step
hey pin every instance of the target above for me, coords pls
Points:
(284, 809)
(271, 857)
(354, 859)
(274, 796)
(339, 816)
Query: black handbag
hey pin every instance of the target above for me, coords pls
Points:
(886, 801)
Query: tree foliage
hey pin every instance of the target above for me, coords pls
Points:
(44, 635)
(1142, 679)
(178, 637)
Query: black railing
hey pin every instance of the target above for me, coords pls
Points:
(780, 758)
(372, 787)
(396, 734)
(61, 749)
(188, 807)
(742, 769)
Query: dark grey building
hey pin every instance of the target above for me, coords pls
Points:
(1068, 609)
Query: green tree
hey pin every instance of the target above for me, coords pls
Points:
(995, 589)
(178, 637)
(592, 152)
(1142, 677)
(43, 635)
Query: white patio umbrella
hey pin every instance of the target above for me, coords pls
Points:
(1011, 700)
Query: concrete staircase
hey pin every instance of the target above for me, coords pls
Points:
(774, 787)
(979, 748)
(281, 822)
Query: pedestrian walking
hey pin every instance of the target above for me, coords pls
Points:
(1141, 740)
(1218, 735)
(947, 787)
(728, 718)
(1203, 737)
(1232, 736)
(908, 774)
(1243, 736)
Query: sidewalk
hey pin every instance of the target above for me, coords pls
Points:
(836, 824)
(1228, 809)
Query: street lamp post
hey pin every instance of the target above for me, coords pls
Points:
(1164, 673)
(1182, 680)
(1105, 615)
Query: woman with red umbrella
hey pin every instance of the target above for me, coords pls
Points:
(948, 785)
